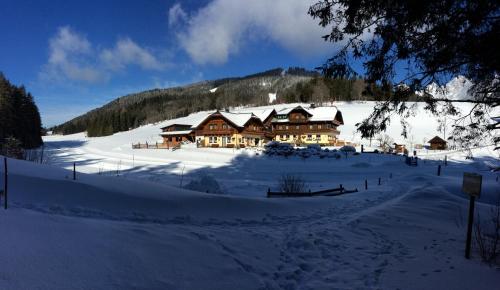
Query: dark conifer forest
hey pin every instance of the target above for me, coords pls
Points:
(19, 117)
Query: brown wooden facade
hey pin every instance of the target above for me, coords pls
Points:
(233, 130)
(297, 127)
(437, 143)
(173, 135)
(219, 131)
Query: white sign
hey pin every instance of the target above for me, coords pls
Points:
(472, 184)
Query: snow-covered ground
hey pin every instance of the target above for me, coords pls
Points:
(126, 223)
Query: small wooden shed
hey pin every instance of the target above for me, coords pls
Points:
(399, 147)
(437, 143)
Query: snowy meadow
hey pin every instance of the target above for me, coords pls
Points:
(129, 222)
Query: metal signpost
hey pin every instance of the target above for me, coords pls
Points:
(471, 185)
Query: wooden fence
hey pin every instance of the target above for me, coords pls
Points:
(155, 145)
(327, 192)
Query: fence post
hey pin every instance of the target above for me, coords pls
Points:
(446, 160)
(379, 181)
(74, 170)
(362, 149)
(439, 170)
(5, 176)
(366, 184)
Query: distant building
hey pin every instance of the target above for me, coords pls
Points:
(399, 148)
(437, 143)
(173, 135)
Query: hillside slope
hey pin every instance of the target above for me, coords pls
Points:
(291, 85)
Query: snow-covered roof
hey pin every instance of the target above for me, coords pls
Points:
(286, 111)
(239, 119)
(318, 113)
(262, 114)
(185, 132)
(323, 113)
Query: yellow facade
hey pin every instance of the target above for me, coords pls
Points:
(312, 138)
(233, 140)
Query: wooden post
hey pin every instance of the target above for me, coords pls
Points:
(5, 176)
(446, 160)
(439, 170)
(469, 226)
(366, 184)
(362, 149)
(379, 181)
(74, 170)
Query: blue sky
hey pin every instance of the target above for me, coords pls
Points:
(77, 55)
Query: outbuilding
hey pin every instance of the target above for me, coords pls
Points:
(437, 143)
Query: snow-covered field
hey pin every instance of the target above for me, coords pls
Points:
(126, 223)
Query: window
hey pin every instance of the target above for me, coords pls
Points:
(328, 126)
(294, 136)
(177, 139)
(212, 127)
(297, 116)
(309, 137)
(224, 126)
(310, 126)
(318, 136)
(319, 126)
(280, 127)
(212, 139)
(241, 140)
(286, 127)
(283, 137)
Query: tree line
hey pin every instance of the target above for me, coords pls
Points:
(20, 123)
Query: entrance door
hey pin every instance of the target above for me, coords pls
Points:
(257, 140)
(224, 141)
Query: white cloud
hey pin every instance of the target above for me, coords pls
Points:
(68, 58)
(176, 15)
(223, 27)
(72, 57)
(128, 52)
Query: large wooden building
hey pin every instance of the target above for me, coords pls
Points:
(295, 125)
(307, 126)
(224, 129)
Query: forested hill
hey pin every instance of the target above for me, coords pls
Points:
(291, 85)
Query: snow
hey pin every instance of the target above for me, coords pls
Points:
(128, 222)
(176, 132)
(456, 89)
(239, 119)
(213, 90)
(272, 97)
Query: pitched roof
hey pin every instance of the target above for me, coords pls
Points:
(185, 132)
(239, 119)
(287, 111)
(436, 139)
